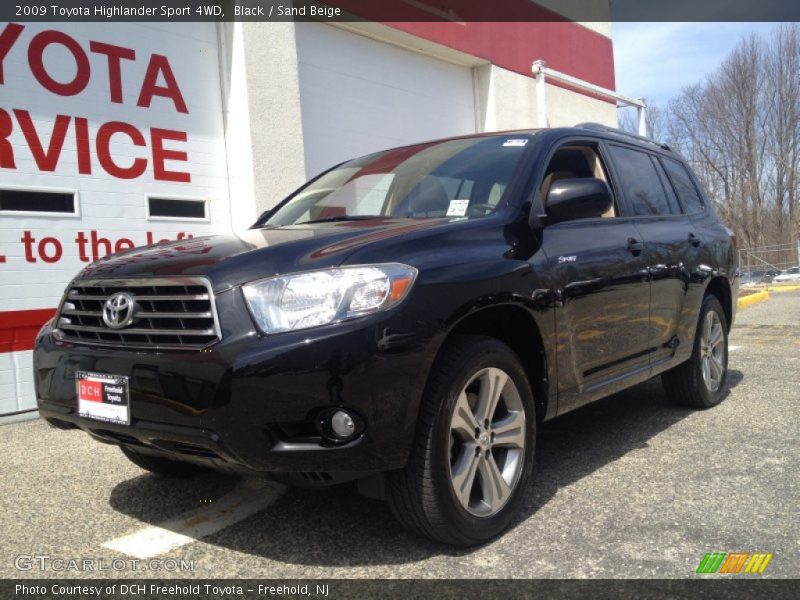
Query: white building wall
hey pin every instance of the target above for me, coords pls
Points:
(507, 100)
(273, 92)
(236, 118)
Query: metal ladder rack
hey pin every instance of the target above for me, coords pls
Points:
(541, 71)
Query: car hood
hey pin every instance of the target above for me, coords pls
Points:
(229, 260)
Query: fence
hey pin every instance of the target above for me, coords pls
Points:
(763, 263)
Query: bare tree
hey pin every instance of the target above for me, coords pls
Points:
(654, 119)
(740, 130)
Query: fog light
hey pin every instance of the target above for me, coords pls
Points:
(342, 424)
(339, 425)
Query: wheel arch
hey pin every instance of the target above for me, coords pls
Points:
(720, 287)
(515, 326)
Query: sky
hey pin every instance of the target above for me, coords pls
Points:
(656, 60)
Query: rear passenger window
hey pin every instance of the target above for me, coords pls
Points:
(640, 182)
(690, 198)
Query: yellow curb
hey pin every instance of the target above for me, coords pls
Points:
(784, 288)
(753, 299)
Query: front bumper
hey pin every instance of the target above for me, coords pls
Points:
(249, 402)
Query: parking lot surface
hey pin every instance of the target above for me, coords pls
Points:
(630, 486)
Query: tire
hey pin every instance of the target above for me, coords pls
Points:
(422, 496)
(685, 384)
(160, 465)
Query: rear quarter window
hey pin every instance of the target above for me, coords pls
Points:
(683, 185)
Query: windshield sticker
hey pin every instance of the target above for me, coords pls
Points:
(457, 208)
(517, 143)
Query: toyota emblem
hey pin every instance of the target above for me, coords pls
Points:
(118, 310)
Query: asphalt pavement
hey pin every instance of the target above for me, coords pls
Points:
(630, 486)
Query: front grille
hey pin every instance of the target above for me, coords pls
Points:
(167, 313)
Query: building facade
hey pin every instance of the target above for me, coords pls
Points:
(125, 134)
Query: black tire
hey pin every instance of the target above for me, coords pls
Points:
(421, 496)
(160, 465)
(684, 384)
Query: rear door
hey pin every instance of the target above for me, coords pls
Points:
(670, 245)
(711, 248)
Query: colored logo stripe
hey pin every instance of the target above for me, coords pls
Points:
(711, 562)
(732, 563)
(758, 563)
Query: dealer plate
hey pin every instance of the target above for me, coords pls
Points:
(103, 397)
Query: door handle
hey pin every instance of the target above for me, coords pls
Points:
(694, 240)
(635, 246)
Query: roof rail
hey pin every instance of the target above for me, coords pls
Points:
(615, 130)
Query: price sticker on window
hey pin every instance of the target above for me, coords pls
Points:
(457, 208)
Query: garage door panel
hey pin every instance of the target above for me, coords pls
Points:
(359, 95)
(396, 112)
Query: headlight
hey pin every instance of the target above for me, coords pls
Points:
(317, 298)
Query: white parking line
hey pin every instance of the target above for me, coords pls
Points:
(248, 498)
(733, 348)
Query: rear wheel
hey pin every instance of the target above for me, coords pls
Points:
(474, 446)
(699, 382)
(160, 465)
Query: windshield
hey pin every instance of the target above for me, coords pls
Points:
(464, 178)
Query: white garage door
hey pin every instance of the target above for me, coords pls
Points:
(358, 95)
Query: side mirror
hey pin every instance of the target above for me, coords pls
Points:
(581, 198)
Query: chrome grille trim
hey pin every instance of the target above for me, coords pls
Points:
(135, 331)
(176, 297)
(170, 313)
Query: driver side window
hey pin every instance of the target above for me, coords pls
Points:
(575, 161)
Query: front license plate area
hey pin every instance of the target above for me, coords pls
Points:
(103, 397)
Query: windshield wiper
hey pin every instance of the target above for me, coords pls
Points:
(344, 218)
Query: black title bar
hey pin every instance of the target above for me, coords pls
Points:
(458, 11)
(388, 589)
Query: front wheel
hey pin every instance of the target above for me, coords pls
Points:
(699, 382)
(473, 449)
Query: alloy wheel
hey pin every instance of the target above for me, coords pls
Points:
(712, 351)
(487, 442)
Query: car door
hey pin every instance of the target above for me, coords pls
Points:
(708, 243)
(671, 244)
(598, 273)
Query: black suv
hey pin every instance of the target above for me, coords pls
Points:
(405, 320)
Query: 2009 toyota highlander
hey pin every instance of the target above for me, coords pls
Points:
(406, 319)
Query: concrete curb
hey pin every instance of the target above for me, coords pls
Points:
(28, 415)
(752, 299)
(784, 288)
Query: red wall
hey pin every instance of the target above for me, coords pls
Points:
(567, 47)
(508, 33)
